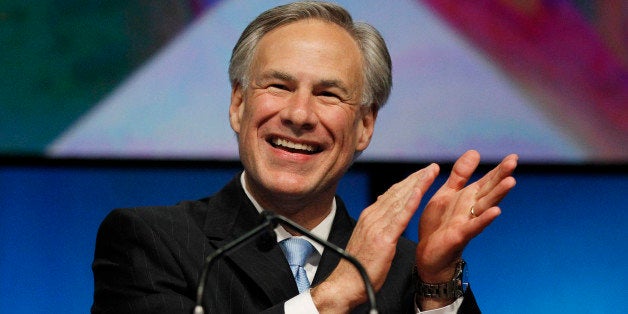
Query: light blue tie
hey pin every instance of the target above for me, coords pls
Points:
(297, 251)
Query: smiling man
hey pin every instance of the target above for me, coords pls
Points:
(300, 119)
(307, 84)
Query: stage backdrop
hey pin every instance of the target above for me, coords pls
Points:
(148, 79)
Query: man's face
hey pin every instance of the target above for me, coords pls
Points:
(299, 121)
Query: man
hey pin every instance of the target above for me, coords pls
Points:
(307, 85)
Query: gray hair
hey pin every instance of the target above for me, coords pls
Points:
(377, 64)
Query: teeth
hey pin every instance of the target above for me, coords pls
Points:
(291, 145)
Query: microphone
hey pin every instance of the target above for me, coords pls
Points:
(266, 242)
(267, 225)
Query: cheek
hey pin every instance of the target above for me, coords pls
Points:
(343, 123)
(254, 111)
(262, 106)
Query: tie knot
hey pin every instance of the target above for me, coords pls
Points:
(297, 250)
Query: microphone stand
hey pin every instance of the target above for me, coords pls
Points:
(270, 222)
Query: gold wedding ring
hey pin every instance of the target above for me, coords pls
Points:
(473, 215)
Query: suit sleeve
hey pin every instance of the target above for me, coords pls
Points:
(135, 271)
(469, 305)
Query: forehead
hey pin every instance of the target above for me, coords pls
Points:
(310, 44)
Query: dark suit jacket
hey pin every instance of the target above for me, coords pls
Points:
(148, 260)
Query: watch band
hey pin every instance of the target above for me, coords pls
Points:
(451, 289)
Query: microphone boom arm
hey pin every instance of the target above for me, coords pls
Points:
(269, 222)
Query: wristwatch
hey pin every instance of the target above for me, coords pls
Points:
(449, 290)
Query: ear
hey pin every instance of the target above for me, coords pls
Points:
(366, 127)
(236, 108)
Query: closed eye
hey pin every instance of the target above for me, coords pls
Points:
(329, 94)
(330, 97)
(278, 86)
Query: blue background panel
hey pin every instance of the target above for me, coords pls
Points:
(559, 245)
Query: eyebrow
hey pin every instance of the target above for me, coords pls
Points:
(278, 75)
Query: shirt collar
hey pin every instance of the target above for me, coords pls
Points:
(322, 230)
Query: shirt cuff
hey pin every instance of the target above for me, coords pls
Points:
(301, 304)
(449, 309)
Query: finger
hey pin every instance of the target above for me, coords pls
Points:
(421, 179)
(478, 224)
(495, 196)
(421, 185)
(415, 187)
(493, 178)
(495, 185)
(402, 199)
(462, 170)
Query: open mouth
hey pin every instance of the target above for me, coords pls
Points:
(294, 147)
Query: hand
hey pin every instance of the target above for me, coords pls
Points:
(447, 224)
(373, 243)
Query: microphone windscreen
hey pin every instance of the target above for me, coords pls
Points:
(268, 238)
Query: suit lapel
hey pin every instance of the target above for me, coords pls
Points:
(269, 270)
(234, 216)
(341, 230)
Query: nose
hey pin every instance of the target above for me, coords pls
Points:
(299, 113)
